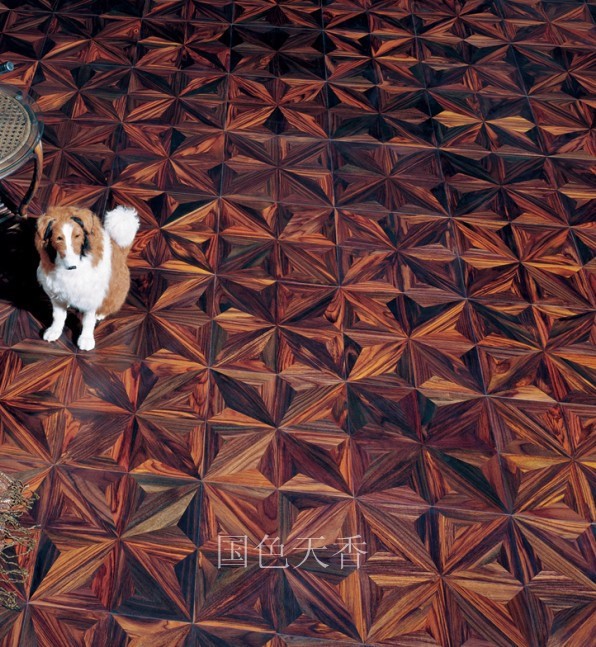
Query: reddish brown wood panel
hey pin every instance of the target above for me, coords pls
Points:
(361, 307)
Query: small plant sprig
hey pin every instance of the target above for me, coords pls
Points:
(16, 540)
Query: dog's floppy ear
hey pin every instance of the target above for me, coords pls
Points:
(86, 246)
(86, 220)
(44, 227)
(43, 239)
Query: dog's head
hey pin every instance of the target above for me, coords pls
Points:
(65, 235)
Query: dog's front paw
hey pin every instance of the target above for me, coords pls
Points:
(52, 334)
(86, 342)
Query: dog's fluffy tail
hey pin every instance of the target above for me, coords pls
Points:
(122, 224)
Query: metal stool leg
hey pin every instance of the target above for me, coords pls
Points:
(37, 171)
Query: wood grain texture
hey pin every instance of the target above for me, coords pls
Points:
(362, 304)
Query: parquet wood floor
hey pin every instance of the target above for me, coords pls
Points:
(362, 306)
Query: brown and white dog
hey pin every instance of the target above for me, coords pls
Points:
(83, 265)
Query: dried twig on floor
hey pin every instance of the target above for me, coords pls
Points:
(16, 540)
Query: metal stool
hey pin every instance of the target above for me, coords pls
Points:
(20, 139)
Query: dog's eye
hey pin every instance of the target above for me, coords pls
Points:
(77, 235)
(59, 238)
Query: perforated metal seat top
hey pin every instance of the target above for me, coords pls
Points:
(15, 127)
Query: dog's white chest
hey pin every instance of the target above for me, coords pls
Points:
(84, 288)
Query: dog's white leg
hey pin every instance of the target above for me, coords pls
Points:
(86, 340)
(58, 320)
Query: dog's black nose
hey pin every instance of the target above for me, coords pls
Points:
(72, 267)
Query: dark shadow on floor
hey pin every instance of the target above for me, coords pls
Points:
(18, 267)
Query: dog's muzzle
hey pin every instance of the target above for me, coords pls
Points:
(72, 267)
